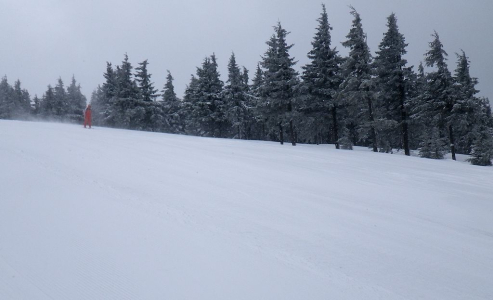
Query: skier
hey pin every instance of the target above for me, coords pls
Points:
(87, 116)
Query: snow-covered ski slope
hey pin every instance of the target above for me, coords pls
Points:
(115, 214)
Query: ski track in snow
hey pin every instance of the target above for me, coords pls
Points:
(115, 214)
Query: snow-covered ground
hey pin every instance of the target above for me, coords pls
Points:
(115, 214)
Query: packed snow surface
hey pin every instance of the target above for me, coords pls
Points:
(116, 214)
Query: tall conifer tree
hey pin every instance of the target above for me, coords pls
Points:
(321, 78)
(279, 82)
(357, 83)
(391, 86)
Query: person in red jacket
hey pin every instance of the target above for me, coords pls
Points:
(87, 116)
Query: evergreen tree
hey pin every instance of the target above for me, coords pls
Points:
(467, 110)
(77, 101)
(110, 87)
(321, 79)
(279, 83)
(171, 105)
(209, 107)
(126, 86)
(103, 98)
(439, 96)
(235, 99)
(391, 86)
(21, 101)
(482, 148)
(146, 87)
(48, 105)
(189, 110)
(258, 130)
(6, 99)
(357, 85)
(100, 107)
(36, 105)
(60, 105)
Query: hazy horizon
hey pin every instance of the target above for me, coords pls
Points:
(53, 38)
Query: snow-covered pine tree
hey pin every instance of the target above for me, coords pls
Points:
(61, 105)
(439, 96)
(21, 101)
(77, 101)
(482, 148)
(104, 98)
(467, 110)
(48, 103)
(125, 83)
(100, 107)
(209, 107)
(391, 100)
(147, 92)
(171, 106)
(235, 99)
(6, 99)
(35, 105)
(357, 85)
(279, 83)
(258, 116)
(124, 112)
(321, 80)
(189, 109)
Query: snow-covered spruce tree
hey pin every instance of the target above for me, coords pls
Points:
(279, 83)
(99, 106)
(77, 101)
(189, 121)
(258, 117)
(147, 92)
(415, 85)
(321, 80)
(250, 103)
(105, 97)
(357, 86)
(235, 99)
(154, 119)
(391, 100)
(21, 101)
(60, 105)
(6, 99)
(467, 109)
(439, 96)
(35, 105)
(208, 109)
(482, 148)
(171, 106)
(127, 88)
(48, 103)
(124, 112)
(15, 102)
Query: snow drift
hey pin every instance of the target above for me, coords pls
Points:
(115, 214)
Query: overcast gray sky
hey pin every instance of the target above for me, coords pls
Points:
(46, 39)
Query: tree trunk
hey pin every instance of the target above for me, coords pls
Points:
(293, 139)
(263, 131)
(373, 134)
(281, 134)
(405, 127)
(336, 128)
(452, 141)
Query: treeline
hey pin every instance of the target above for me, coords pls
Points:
(58, 103)
(378, 101)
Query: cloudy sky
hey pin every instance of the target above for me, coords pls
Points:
(43, 40)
